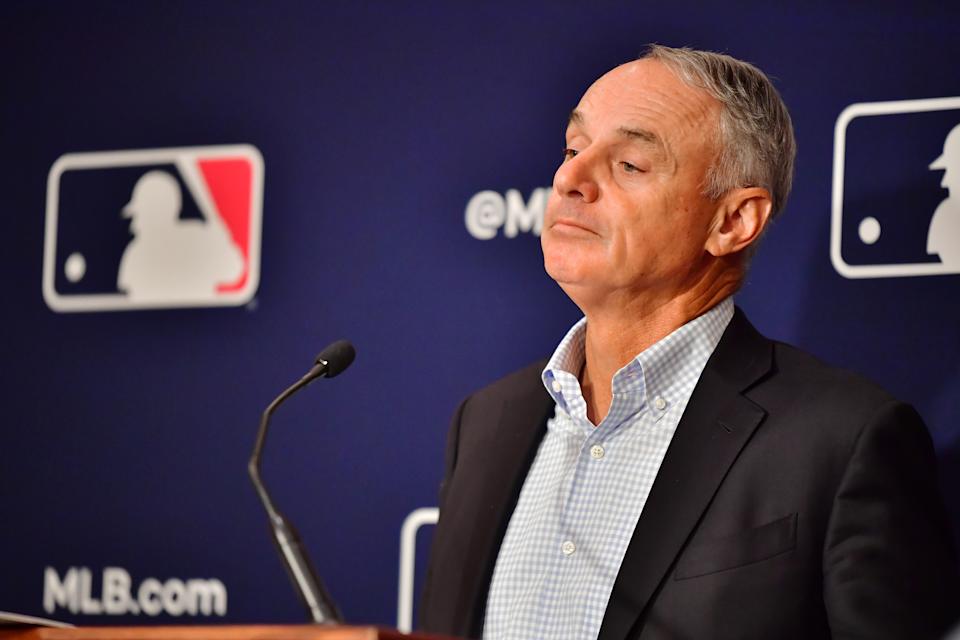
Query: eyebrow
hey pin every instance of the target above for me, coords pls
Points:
(642, 135)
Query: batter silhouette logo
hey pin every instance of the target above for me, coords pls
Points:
(896, 189)
(153, 228)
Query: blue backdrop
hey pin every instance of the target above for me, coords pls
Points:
(127, 432)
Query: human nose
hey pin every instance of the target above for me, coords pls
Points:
(575, 178)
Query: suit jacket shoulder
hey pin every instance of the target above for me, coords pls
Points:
(520, 384)
(492, 441)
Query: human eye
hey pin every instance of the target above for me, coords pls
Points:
(569, 153)
(629, 167)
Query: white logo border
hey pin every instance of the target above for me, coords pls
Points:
(836, 214)
(130, 158)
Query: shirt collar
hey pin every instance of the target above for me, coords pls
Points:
(661, 374)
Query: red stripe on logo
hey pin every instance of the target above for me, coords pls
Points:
(230, 182)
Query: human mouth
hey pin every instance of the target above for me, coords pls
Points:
(572, 227)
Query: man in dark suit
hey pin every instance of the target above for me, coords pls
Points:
(669, 472)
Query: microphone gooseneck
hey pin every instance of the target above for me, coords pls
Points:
(333, 360)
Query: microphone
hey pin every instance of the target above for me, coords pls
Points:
(332, 361)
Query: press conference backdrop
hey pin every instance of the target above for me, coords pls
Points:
(198, 196)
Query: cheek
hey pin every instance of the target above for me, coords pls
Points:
(650, 241)
(633, 257)
(638, 237)
(550, 209)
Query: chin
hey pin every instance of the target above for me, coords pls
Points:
(565, 259)
(564, 269)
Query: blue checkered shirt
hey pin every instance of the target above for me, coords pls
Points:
(587, 486)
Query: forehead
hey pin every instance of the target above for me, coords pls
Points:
(646, 94)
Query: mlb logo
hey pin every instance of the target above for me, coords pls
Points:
(896, 189)
(153, 228)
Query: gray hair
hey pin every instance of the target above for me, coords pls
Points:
(757, 147)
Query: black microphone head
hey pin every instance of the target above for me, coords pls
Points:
(336, 357)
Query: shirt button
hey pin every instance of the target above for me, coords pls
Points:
(556, 385)
(660, 403)
(568, 548)
(596, 452)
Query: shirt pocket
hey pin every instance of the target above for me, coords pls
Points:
(739, 549)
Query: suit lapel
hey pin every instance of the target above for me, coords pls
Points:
(481, 510)
(715, 426)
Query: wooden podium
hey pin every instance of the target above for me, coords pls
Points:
(224, 632)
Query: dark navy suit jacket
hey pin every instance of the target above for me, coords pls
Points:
(795, 500)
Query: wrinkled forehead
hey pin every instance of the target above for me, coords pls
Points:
(649, 95)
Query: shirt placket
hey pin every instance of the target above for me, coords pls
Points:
(592, 443)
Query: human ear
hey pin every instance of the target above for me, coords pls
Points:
(739, 220)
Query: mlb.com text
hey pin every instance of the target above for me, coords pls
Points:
(75, 593)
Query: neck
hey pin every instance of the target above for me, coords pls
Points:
(622, 325)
